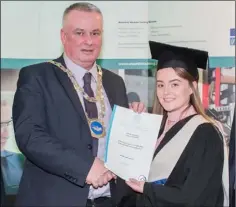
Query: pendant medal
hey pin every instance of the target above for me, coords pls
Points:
(96, 128)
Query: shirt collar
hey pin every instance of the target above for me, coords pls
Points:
(79, 71)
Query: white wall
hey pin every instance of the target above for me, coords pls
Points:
(31, 29)
(198, 24)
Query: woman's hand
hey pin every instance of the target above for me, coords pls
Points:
(138, 107)
(136, 185)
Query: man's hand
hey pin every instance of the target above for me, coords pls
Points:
(138, 107)
(104, 179)
(98, 175)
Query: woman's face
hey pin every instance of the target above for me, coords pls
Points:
(173, 91)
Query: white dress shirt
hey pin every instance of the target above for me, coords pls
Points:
(79, 73)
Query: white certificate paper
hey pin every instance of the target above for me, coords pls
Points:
(131, 143)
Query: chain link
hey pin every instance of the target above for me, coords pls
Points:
(99, 93)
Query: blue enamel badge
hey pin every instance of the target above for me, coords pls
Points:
(96, 127)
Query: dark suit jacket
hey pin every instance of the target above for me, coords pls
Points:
(51, 130)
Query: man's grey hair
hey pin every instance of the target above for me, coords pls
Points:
(81, 6)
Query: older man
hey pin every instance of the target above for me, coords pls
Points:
(61, 113)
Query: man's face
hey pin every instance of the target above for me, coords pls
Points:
(81, 37)
(5, 121)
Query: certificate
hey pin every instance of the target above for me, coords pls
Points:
(131, 143)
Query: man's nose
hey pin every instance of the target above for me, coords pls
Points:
(88, 39)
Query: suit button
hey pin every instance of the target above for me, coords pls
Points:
(90, 146)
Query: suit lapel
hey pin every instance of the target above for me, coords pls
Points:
(69, 88)
(108, 88)
(71, 92)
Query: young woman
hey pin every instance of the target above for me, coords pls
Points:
(189, 166)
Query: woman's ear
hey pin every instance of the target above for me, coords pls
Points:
(194, 83)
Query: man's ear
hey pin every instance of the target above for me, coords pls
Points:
(63, 36)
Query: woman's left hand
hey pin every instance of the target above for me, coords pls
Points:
(138, 107)
(136, 185)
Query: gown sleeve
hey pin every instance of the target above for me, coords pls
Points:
(207, 159)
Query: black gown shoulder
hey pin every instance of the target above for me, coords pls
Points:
(196, 179)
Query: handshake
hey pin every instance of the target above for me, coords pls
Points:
(98, 175)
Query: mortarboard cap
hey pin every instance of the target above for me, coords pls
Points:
(175, 56)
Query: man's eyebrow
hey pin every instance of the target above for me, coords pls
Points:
(96, 30)
(80, 29)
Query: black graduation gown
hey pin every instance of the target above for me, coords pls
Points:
(196, 179)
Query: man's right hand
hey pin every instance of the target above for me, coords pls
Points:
(138, 107)
(104, 179)
(98, 174)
